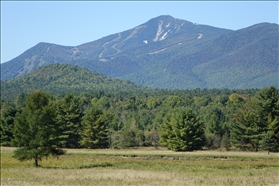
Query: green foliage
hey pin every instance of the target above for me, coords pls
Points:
(8, 112)
(267, 102)
(274, 129)
(182, 131)
(258, 116)
(269, 143)
(62, 79)
(95, 129)
(153, 138)
(212, 141)
(215, 120)
(35, 130)
(225, 142)
(20, 100)
(134, 119)
(127, 137)
(153, 102)
(69, 115)
(247, 131)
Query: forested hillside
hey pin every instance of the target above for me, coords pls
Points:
(98, 112)
(63, 78)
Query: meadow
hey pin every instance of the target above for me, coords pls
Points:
(143, 166)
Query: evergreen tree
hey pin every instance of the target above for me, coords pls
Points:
(273, 128)
(182, 131)
(267, 109)
(233, 105)
(95, 129)
(269, 143)
(215, 121)
(246, 133)
(8, 112)
(69, 115)
(35, 130)
(259, 115)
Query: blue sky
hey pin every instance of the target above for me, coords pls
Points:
(24, 24)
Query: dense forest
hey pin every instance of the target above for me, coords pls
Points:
(181, 120)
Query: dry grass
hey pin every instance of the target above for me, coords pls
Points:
(164, 151)
(150, 167)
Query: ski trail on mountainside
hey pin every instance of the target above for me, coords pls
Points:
(134, 32)
(113, 47)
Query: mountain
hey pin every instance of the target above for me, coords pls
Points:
(166, 52)
(65, 78)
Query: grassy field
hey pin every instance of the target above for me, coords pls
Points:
(143, 166)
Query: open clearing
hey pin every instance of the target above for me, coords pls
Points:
(143, 166)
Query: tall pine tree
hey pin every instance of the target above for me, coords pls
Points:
(267, 108)
(8, 112)
(95, 129)
(35, 130)
(182, 131)
(69, 116)
(259, 116)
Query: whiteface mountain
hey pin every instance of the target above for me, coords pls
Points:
(166, 52)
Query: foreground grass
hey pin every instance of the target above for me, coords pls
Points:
(143, 167)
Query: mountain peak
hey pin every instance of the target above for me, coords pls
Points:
(165, 18)
(166, 52)
(162, 27)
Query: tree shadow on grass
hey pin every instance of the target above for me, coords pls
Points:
(95, 165)
(80, 167)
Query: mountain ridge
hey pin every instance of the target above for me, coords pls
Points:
(167, 52)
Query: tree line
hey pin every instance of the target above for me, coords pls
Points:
(44, 123)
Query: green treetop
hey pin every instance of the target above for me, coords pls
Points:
(182, 131)
(95, 129)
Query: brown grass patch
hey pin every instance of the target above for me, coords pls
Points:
(148, 167)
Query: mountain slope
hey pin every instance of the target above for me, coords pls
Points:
(63, 78)
(147, 39)
(171, 53)
(246, 58)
